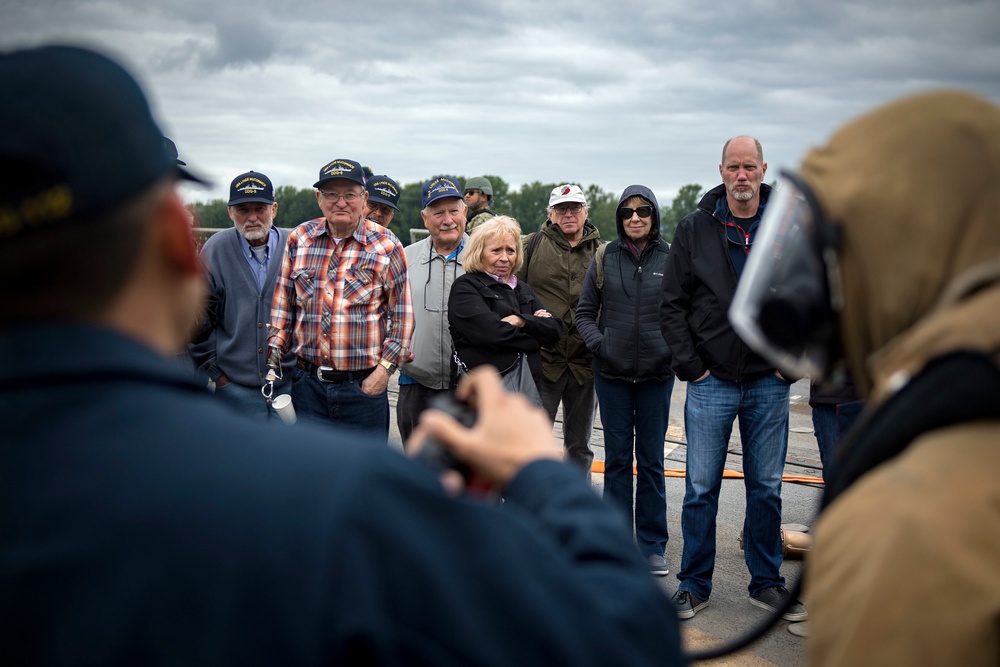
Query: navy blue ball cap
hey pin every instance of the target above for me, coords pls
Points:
(349, 170)
(383, 190)
(171, 148)
(439, 187)
(252, 186)
(77, 138)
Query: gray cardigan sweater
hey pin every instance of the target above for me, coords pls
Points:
(237, 343)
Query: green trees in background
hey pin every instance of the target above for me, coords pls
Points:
(686, 201)
(295, 206)
(528, 205)
(211, 215)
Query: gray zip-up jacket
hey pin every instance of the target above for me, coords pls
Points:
(430, 276)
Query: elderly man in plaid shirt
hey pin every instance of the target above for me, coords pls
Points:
(342, 305)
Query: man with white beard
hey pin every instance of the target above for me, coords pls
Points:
(242, 265)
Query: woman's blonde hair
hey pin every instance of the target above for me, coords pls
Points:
(498, 227)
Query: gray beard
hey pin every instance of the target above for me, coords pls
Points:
(255, 235)
(743, 195)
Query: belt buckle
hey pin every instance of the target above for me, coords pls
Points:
(323, 369)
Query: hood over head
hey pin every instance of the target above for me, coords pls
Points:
(910, 186)
(647, 194)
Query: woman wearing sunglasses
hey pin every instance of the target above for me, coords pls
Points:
(618, 317)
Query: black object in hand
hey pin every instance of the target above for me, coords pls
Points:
(433, 453)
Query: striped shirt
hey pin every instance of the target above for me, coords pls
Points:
(343, 305)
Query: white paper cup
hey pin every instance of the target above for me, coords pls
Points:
(282, 404)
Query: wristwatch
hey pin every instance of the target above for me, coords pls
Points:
(388, 365)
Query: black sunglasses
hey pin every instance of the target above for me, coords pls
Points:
(644, 212)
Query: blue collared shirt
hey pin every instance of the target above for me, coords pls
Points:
(258, 267)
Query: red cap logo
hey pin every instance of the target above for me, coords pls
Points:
(566, 190)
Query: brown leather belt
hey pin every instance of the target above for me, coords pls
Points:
(327, 374)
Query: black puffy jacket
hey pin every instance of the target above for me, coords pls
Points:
(620, 322)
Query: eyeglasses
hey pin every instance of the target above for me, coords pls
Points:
(378, 208)
(471, 192)
(644, 212)
(568, 208)
(439, 300)
(349, 197)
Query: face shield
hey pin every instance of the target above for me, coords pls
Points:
(788, 299)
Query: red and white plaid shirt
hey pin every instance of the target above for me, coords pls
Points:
(347, 305)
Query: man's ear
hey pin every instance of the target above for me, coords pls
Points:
(176, 235)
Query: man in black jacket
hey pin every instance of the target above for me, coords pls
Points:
(726, 381)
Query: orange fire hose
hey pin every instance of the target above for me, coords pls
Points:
(598, 467)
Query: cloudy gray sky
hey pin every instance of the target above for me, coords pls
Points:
(587, 91)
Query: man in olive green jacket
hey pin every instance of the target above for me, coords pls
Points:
(556, 260)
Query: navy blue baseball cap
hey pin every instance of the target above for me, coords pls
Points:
(340, 168)
(250, 187)
(383, 190)
(171, 148)
(77, 139)
(439, 187)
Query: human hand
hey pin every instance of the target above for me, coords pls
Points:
(704, 375)
(375, 384)
(515, 320)
(509, 433)
(541, 312)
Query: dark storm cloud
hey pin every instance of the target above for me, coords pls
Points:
(585, 91)
(239, 42)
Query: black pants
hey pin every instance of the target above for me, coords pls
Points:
(413, 399)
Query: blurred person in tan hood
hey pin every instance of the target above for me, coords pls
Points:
(882, 255)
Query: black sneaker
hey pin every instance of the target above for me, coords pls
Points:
(774, 598)
(658, 565)
(688, 604)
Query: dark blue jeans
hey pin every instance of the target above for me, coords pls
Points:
(635, 417)
(341, 404)
(762, 409)
(249, 400)
(830, 424)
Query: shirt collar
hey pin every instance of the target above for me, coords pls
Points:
(271, 245)
(510, 282)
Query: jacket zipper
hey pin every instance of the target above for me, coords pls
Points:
(445, 362)
(638, 305)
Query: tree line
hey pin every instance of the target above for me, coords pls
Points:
(528, 205)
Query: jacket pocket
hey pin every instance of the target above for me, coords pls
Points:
(610, 354)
